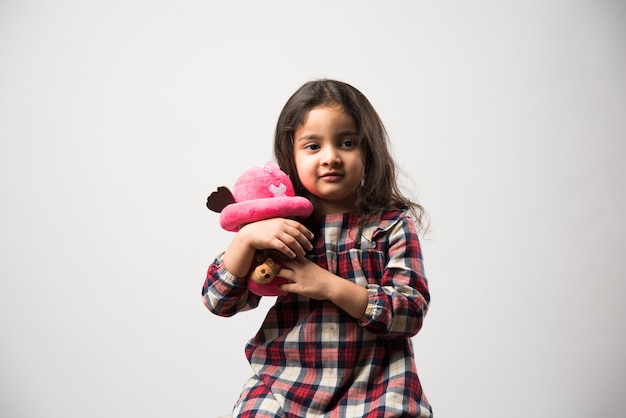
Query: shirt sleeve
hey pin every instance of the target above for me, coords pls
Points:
(397, 306)
(225, 294)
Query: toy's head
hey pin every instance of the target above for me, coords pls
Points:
(262, 192)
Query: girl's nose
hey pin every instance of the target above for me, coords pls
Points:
(331, 157)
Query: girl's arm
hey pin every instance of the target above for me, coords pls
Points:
(310, 280)
(392, 307)
(397, 306)
(287, 236)
(225, 292)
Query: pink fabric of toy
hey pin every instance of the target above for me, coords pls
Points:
(262, 192)
(268, 289)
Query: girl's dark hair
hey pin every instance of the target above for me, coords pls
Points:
(380, 189)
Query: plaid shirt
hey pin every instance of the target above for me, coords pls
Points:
(310, 358)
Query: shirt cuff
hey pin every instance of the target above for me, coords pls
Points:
(225, 275)
(374, 309)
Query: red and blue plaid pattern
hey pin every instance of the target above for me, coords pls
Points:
(310, 358)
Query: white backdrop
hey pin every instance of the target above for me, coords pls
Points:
(118, 118)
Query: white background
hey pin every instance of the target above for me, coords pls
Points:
(118, 118)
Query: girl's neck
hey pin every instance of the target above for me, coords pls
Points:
(331, 208)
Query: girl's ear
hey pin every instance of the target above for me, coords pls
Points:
(219, 199)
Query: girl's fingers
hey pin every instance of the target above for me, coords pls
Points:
(294, 248)
(301, 229)
(296, 240)
(286, 245)
(284, 235)
(304, 237)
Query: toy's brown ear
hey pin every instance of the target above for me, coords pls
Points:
(219, 199)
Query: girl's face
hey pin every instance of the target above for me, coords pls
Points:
(328, 157)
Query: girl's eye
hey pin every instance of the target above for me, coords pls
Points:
(312, 146)
(348, 143)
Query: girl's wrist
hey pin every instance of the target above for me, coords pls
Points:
(349, 296)
(238, 257)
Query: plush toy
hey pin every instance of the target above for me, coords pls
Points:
(262, 192)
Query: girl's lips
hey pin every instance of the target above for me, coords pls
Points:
(331, 176)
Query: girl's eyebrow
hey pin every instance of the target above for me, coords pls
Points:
(340, 134)
(308, 137)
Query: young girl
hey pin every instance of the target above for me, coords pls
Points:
(338, 344)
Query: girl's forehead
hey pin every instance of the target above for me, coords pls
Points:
(327, 116)
(334, 106)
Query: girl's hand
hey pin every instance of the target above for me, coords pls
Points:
(308, 279)
(287, 236)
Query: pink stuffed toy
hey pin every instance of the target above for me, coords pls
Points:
(262, 192)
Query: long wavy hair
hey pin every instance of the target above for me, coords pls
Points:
(379, 190)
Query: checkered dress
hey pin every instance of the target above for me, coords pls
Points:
(310, 358)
